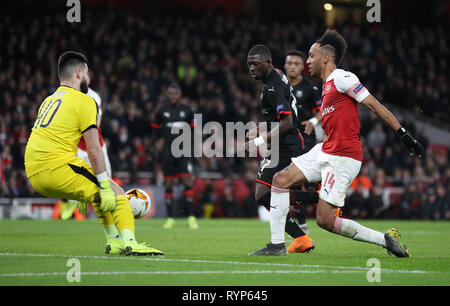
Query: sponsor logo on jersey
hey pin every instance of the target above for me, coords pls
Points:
(327, 110)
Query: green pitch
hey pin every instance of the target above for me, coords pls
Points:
(36, 252)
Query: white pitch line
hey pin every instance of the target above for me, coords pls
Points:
(221, 262)
(165, 272)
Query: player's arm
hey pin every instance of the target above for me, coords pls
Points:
(413, 146)
(94, 150)
(349, 84)
(280, 104)
(88, 113)
(312, 122)
(253, 133)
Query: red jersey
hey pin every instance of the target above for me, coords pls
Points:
(91, 93)
(341, 94)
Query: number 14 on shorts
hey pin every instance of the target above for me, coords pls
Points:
(329, 179)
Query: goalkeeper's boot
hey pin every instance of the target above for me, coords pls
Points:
(393, 244)
(302, 244)
(192, 222)
(271, 249)
(114, 246)
(70, 206)
(169, 223)
(140, 249)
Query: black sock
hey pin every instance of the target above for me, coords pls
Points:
(168, 196)
(300, 214)
(305, 197)
(188, 202)
(292, 228)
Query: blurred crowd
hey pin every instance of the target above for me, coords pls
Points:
(133, 58)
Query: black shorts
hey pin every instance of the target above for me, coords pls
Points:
(266, 171)
(176, 167)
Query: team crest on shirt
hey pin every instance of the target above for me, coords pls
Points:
(299, 93)
(328, 88)
(182, 114)
(166, 114)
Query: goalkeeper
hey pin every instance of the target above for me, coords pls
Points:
(54, 170)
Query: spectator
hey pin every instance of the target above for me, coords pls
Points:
(229, 205)
(429, 207)
(377, 136)
(357, 203)
(410, 201)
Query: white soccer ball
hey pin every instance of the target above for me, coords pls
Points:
(140, 202)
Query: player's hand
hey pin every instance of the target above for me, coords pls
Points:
(82, 207)
(107, 197)
(309, 127)
(413, 146)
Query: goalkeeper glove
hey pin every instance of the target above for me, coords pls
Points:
(107, 196)
(82, 207)
(413, 146)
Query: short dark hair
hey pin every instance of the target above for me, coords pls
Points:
(333, 39)
(297, 53)
(67, 61)
(174, 85)
(262, 51)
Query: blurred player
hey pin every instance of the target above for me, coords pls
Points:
(309, 100)
(166, 117)
(337, 161)
(82, 150)
(277, 106)
(54, 170)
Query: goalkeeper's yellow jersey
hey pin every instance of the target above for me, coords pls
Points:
(62, 119)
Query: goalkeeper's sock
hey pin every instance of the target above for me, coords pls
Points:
(107, 222)
(111, 231)
(122, 215)
(127, 235)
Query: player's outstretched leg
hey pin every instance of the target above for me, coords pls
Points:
(327, 219)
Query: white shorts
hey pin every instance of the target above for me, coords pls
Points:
(83, 155)
(335, 173)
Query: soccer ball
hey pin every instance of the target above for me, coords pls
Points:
(140, 202)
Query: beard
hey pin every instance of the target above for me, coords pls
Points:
(84, 86)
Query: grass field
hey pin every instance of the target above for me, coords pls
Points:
(34, 252)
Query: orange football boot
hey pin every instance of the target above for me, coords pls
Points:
(302, 244)
(338, 212)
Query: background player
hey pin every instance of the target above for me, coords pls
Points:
(337, 161)
(276, 106)
(308, 96)
(53, 168)
(175, 168)
(82, 150)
